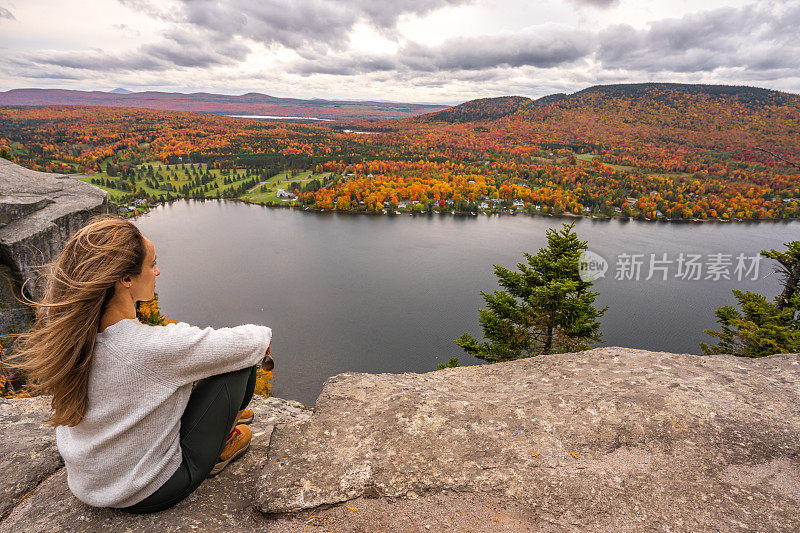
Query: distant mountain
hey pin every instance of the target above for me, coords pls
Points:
(219, 104)
(607, 97)
(742, 93)
(477, 110)
(120, 90)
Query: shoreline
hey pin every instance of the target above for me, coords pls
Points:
(602, 218)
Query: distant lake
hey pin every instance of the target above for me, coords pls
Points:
(275, 117)
(345, 292)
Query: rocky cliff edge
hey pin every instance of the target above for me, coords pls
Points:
(610, 439)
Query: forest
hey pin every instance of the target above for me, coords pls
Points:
(646, 151)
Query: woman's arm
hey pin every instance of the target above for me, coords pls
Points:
(181, 353)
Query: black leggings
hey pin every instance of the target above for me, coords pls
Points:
(213, 405)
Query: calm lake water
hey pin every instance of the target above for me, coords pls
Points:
(391, 293)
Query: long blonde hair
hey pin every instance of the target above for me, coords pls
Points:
(56, 353)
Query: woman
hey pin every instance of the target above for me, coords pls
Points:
(133, 431)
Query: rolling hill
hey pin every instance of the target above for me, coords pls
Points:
(219, 104)
(597, 97)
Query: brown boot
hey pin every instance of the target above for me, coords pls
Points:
(245, 416)
(237, 443)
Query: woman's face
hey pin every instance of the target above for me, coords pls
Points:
(143, 286)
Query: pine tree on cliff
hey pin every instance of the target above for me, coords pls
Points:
(762, 327)
(545, 308)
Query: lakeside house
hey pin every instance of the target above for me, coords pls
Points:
(283, 194)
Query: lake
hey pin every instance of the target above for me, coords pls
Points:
(276, 117)
(347, 292)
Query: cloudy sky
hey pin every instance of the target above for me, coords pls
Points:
(444, 51)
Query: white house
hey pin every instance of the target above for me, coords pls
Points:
(283, 194)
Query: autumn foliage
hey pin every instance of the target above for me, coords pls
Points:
(649, 151)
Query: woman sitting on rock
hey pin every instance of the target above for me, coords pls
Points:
(133, 431)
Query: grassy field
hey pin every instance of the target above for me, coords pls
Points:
(179, 177)
(281, 181)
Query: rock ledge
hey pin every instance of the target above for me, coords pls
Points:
(606, 438)
(611, 439)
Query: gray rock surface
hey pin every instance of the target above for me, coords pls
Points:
(28, 452)
(39, 211)
(604, 440)
(15, 317)
(662, 442)
(221, 503)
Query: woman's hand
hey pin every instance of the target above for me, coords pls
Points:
(267, 363)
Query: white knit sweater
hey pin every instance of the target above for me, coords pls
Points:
(128, 443)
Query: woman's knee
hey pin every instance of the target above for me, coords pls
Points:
(212, 404)
(250, 387)
(235, 380)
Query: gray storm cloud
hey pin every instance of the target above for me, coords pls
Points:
(749, 38)
(544, 49)
(601, 4)
(314, 24)
(752, 42)
(538, 49)
(176, 50)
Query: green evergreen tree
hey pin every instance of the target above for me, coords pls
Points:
(762, 327)
(545, 308)
(452, 363)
